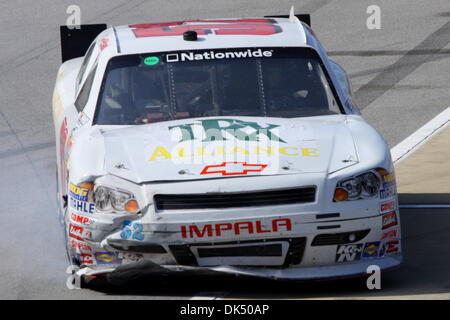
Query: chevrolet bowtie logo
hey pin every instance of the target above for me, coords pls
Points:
(233, 168)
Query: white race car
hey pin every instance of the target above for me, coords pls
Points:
(230, 145)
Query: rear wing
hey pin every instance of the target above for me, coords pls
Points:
(75, 42)
(305, 18)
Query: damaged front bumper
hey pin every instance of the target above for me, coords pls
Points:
(311, 240)
(290, 246)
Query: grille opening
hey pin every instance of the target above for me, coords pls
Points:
(328, 239)
(233, 200)
(141, 247)
(184, 256)
(271, 250)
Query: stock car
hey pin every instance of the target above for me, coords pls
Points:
(231, 145)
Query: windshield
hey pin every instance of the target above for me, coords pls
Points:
(260, 82)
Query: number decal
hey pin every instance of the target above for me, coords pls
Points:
(138, 229)
(127, 232)
(260, 27)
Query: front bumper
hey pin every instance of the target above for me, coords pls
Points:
(313, 240)
(282, 247)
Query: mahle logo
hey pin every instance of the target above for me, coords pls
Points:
(225, 129)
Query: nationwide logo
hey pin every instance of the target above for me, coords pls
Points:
(216, 55)
(233, 168)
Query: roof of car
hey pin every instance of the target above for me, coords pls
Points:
(215, 33)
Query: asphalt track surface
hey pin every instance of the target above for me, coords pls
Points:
(399, 74)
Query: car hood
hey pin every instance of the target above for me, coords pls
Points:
(205, 148)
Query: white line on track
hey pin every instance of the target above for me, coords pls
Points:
(418, 138)
(424, 206)
(209, 295)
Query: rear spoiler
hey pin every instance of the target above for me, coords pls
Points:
(75, 42)
(305, 18)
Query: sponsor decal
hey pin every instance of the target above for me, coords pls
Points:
(104, 43)
(224, 129)
(389, 178)
(79, 233)
(387, 206)
(80, 219)
(388, 192)
(389, 220)
(382, 252)
(75, 232)
(62, 152)
(81, 206)
(233, 168)
(151, 61)
(388, 185)
(348, 252)
(213, 55)
(390, 234)
(160, 153)
(69, 143)
(371, 249)
(80, 246)
(78, 193)
(260, 27)
(85, 258)
(392, 246)
(83, 119)
(227, 140)
(57, 104)
(235, 229)
(106, 258)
